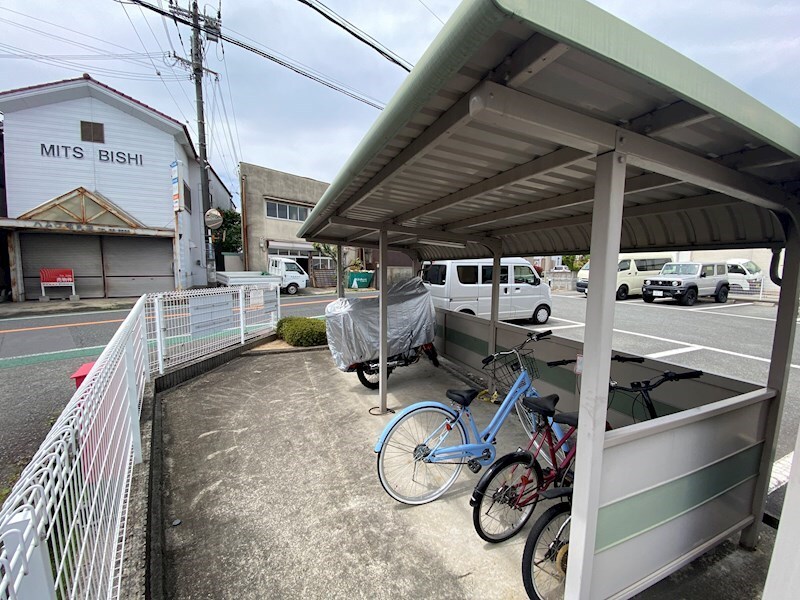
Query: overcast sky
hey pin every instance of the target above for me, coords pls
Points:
(287, 122)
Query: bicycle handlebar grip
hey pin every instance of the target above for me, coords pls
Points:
(558, 363)
(544, 334)
(687, 375)
(624, 359)
(488, 359)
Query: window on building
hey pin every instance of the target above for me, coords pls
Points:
(290, 212)
(92, 132)
(187, 198)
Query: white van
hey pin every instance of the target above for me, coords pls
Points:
(292, 275)
(632, 270)
(745, 275)
(466, 286)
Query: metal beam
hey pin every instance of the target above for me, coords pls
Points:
(649, 181)
(509, 109)
(434, 234)
(543, 164)
(642, 210)
(530, 58)
(441, 129)
(679, 114)
(606, 232)
(383, 258)
(765, 156)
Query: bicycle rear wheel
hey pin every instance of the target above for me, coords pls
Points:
(544, 560)
(498, 513)
(403, 468)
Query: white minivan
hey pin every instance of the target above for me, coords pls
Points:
(466, 286)
(745, 275)
(632, 270)
(292, 275)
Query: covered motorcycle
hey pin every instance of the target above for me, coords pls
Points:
(353, 328)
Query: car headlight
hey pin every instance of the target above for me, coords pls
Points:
(676, 283)
(647, 282)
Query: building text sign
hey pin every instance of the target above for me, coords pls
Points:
(79, 153)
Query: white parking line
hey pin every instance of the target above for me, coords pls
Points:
(566, 321)
(716, 306)
(780, 472)
(576, 325)
(673, 351)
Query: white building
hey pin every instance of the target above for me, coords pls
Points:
(89, 186)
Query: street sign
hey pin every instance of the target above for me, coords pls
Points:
(213, 218)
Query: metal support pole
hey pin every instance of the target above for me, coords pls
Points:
(37, 581)
(160, 333)
(494, 307)
(778, 379)
(145, 344)
(384, 310)
(606, 230)
(132, 380)
(339, 273)
(416, 266)
(15, 264)
(242, 320)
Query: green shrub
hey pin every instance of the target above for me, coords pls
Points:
(285, 321)
(305, 332)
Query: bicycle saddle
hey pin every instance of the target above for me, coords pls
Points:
(462, 397)
(570, 418)
(545, 405)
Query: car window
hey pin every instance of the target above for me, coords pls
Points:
(656, 264)
(624, 265)
(435, 274)
(293, 267)
(524, 274)
(752, 267)
(737, 269)
(720, 269)
(679, 269)
(467, 274)
(486, 274)
(708, 270)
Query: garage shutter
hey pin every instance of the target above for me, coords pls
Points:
(81, 253)
(136, 265)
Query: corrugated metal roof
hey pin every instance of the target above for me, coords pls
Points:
(492, 141)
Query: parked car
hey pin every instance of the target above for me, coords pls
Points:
(745, 275)
(466, 286)
(560, 269)
(632, 270)
(688, 281)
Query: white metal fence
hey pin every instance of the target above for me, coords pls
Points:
(62, 529)
(183, 326)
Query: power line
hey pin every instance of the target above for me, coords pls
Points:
(357, 33)
(283, 62)
(431, 11)
(230, 94)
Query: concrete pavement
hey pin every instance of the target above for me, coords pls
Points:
(269, 467)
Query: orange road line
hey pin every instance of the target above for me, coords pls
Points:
(60, 326)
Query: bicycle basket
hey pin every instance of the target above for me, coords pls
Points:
(505, 369)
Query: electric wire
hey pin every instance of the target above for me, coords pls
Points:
(283, 62)
(230, 95)
(431, 11)
(357, 33)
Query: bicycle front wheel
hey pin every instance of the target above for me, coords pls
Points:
(404, 469)
(544, 560)
(506, 497)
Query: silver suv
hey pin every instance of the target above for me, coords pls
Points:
(686, 281)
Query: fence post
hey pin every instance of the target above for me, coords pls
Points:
(159, 334)
(37, 576)
(241, 313)
(133, 396)
(277, 313)
(145, 342)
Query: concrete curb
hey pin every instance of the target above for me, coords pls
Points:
(257, 352)
(26, 309)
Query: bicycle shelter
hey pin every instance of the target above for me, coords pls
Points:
(532, 128)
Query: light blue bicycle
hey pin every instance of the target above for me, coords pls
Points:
(422, 450)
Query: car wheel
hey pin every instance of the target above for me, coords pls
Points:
(622, 292)
(541, 314)
(648, 299)
(291, 289)
(690, 297)
(721, 296)
(466, 311)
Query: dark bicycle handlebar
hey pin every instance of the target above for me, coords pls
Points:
(531, 336)
(616, 357)
(648, 384)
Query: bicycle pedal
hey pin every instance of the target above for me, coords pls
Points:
(474, 465)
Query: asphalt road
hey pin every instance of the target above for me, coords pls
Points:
(38, 354)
